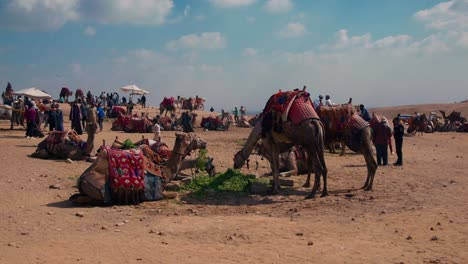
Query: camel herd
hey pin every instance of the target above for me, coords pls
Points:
(429, 123)
(289, 134)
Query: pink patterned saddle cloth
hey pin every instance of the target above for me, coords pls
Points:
(126, 169)
(301, 109)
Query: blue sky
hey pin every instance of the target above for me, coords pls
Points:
(239, 52)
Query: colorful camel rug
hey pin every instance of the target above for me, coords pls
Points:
(295, 105)
(126, 169)
(336, 118)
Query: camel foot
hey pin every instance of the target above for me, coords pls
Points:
(170, 195)
(274, 191)
(368, 188)
(306, 185)
(324, 194)
(80, 199)
(310, 196)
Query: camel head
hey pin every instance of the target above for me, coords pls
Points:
(239, 160)
(186, 143)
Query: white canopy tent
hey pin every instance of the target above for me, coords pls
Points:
(133, 89)
(33, 93)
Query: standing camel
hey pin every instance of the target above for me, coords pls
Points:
(289, 119)
(65, 93)
(167, 105)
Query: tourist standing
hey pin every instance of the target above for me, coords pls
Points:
(75, 118)
(382, 133)
(398, 133)
(157, 131)
(84, 113)
(30, 116)
(236, 114)
(187, 122)
(91, 128)
(143, 101)
(101, 115)
(52, 118)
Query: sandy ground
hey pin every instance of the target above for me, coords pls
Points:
(415, 214)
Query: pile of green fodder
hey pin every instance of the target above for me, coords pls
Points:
(232, 181)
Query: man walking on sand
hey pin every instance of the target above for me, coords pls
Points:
(398, 133)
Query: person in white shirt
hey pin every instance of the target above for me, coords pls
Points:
(157, 132)
(318, 102)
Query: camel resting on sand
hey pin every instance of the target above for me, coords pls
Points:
(95, 185)
(292, 160)
(64, 145)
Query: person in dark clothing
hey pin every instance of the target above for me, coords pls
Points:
(143, 101)
(187, 122)
(75, 118)
(30, 116)
(382, 134)
(398, 133)
(84, 114)
(52, 120)
(364, 113)
(212, 109)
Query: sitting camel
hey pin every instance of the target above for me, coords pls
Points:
(64, 145)
(292, 160)
(142, 182)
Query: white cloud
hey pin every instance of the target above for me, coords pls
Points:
(89, 31)
(49, 15)
(29, 15)
(206, 40)
(200, 17)
(249, 52)
(293, 30)
(463, 40)
(446, 15)
(75, 68)
(392, 41)
(127, 11)
(251, 19)
(231, 3)
(344, 41)
(278, 6)
(186, 10)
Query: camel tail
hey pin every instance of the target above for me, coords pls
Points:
(320, 140)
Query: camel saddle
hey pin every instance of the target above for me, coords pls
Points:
(294, 106)
(336, 118)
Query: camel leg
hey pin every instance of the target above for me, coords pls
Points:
(309, 166)
(343, 147)
(275, 169)
(366, 149)
(274, 163)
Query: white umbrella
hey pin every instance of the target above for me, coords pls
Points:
(133, 89)
(32, 93)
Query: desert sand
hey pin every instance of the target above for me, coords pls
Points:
(416, 213)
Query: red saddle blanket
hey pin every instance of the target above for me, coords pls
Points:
(126, 169)
(293, 105)
(357, 123)
(336, 118)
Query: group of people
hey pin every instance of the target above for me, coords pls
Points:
(382, 138)
(86, 116)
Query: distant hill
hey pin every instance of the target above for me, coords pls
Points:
(390, 112)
